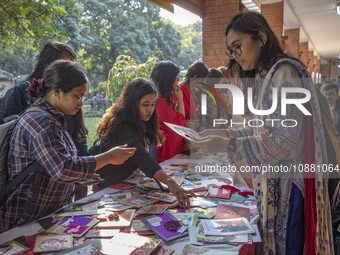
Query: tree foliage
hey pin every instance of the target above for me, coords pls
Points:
(124, 70)
(191, 44)
(31, 19)
(125, 27)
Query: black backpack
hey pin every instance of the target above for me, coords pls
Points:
(6, 131)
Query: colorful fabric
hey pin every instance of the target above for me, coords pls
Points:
(173, 142)
(42, 138)
(276, 145)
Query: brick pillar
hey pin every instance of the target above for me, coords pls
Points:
(292, 42)
(315, 64)
(274, 16)
(303, 52)
(217, 15)
(310, 60)
(325, 70)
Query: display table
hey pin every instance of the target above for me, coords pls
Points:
(33, 228)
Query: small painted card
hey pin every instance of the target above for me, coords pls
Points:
(47, 243)
(216, 191)
(138, 227)
(166, 226)
(114, 198)
(161, 196)
(77, 226)
(188, 219)
(124, 220)
(138, 201)
(239, 226)
(152, 209)
(231, 212)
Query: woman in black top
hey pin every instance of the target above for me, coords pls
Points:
(134, 121)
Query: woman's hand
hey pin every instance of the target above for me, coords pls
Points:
(175, 189)
(178, 93)
(119, 154)
(116, 156)
(180, 194)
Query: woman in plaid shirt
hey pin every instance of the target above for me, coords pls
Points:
(45, 139)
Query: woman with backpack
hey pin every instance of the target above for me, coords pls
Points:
(24, 97)
(134, 120)
(44, 138)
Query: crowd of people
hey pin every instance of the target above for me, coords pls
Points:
(294, 207)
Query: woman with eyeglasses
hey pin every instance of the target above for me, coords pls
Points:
(293, 203)
(43, 138)
(164, 76)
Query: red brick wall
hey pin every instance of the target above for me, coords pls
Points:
(217, 15)
(326, 70)
(310, 60)
(292, 42)
(274, 16)
(303, 52)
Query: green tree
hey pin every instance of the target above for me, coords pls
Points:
(125, 27)
(124, 70)
(24, 19)
(191, 44)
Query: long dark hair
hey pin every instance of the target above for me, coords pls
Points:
(66, 75)
(252, 23)
(50, 52)
(126, 111)
(164, 75)
(198, 69)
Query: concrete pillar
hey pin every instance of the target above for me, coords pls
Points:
(273, 12)
(292, 42)
(217, 15)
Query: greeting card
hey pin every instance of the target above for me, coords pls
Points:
(47, 243)
(166, 226)
(188, 219)
(239, 226)
(138, 201)
(114, 198)
(231, 212)
(77, 226)
(216, 191)
(207, 213)
(124, 244)
(152, 209)
(219, 239)
(161, 196)
(138, 227)
(101, 233)
(124, 220)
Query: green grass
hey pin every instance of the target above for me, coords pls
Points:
(91, 124)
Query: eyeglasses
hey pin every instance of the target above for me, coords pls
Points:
(236, 49)
(329, 95)
(81, 99)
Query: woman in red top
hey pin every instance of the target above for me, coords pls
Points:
(164, 76)
(196, 70)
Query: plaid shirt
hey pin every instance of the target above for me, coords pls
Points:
(42, 138)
